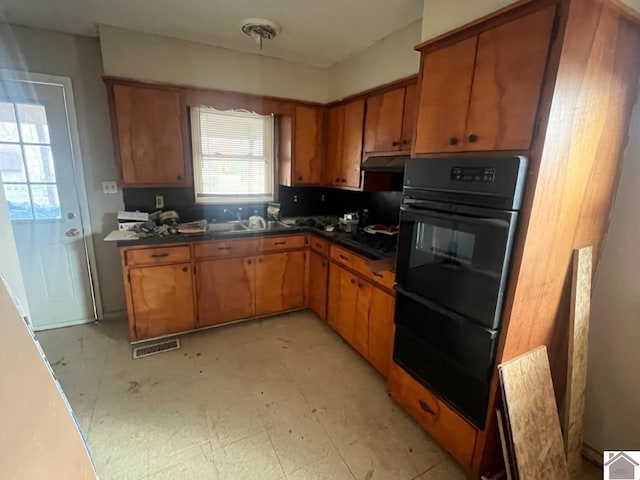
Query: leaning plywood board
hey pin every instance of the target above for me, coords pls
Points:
(505, 440)
(532, 416)
(577, 365)
(39, 438)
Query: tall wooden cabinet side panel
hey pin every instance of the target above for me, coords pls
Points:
(507, 82)
(352, 144)
(149, 126)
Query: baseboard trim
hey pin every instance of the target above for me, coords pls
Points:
(593, 455)
(118, 315)
(51, 326)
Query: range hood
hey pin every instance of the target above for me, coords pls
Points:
(393, 164)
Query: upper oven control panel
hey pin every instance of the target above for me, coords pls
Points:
(473, 174)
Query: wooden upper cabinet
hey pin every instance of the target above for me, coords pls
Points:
(507, 83)
(307, 146)
(162, 300)
(280, 282)
(344, 144)
(389, 121)
(148, 124)
(482, 93)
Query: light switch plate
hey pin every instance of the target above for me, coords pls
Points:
(109, 188)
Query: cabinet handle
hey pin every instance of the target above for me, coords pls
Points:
(473, 138)
(259, 260)
(324, 264)
(299, 179)
(185, 269)
(453, 141)
(404, 142)
(280, 243)
(353, 281)
(395, 144)
(426, 408)
(344, 180)
(343, 257)
(159, 255)
(179, 177)
(249, 262)
(224, 248)
(319, 245)
(360, 285)
(337, 180)
(376, 274)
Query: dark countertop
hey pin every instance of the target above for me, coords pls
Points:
(344, 239)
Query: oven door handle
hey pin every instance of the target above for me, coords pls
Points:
(421, 214)
(442, 311)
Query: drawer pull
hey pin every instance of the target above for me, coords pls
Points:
(225, 248)
(185, 269)
(426, 408)
(376, 274)
(360, 285)
(353, 281)
(343, 257)
(249, 262)
(279, 243)
(319, 245)
(159, 255)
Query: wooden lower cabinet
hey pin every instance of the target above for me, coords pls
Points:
(318, 278)
(280, 281)
(225, 290)
(162, 300)
(363, 315)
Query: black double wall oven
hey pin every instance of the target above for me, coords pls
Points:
(457, 226)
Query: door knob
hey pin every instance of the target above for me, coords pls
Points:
(71, 215)
(72, 232)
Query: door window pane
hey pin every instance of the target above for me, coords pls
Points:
(45, 201)
(11, 164)
(39, 163)
(18, 202)
(8, 125)
(33, 123)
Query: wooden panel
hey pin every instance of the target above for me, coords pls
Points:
(577, 361)
(352, 144)
(284, 134)
(409, 115)
(445, 425)
(360, 335)
(532, 417)
(320, 245)
(280, 282)
(226, 248)
(507, 83)
(162, 300)
(445, 89)
(347, 305)
(158, 255)
(149, 124)
(226, 290)
(318, 284)
(333, 296)
(333, 156)
(288, 242)
(308, 146)
(381, 330)
(383, 121)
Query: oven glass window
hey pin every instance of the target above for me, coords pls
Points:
(443, 245)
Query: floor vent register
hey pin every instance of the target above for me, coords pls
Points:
(158, 347)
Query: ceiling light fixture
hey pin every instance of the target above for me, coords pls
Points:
(260, 29)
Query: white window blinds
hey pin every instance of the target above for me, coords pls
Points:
(233, 154)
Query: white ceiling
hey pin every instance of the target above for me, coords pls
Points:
(314, 32)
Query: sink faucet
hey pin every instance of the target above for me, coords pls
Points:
(237, 215)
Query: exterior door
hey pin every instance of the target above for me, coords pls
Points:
(37, 171)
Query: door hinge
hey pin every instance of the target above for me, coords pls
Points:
(555, 27)
(536, 129)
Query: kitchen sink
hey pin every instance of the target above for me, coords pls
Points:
(228, 227)
(275, 225)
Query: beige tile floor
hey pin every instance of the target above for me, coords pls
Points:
(278, 398)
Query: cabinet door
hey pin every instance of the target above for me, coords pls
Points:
(318, 278)
(383, 122)
(149, 128)
(360, 339)
(352, 144)
(308, 143)
(162, 299)
(381, 330)
(333, 157)
(409, 115)
(280, 279)
(507, 83)
(226, 290)
(447, 75)
(347, 303)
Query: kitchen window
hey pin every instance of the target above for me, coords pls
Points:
(233, 156)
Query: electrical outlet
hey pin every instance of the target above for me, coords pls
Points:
(322, 198)
(295, 199)
(159, 201)
(109, 188)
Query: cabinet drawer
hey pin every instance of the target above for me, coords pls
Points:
(361, 265)
(289, 242)
(226, 248)
(320, 245)
(385, 278)
(155, 256)
(449, 428)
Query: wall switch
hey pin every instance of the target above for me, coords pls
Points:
(159, 201)
(109, 188)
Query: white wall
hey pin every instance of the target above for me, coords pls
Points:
(41, 51)
(612, 419)
(141, 56)
(389, 59)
